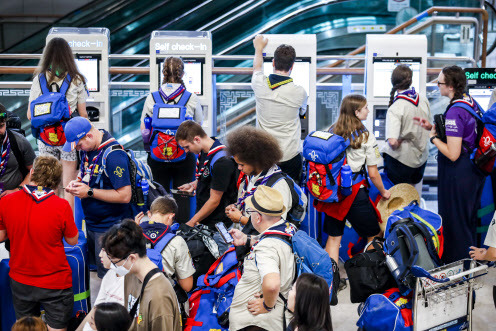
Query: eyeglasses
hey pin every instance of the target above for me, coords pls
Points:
(439, 83)
(249, 211)
(115, 263)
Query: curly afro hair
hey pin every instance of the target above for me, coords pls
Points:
(254, 147)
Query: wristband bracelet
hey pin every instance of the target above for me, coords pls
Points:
(432, 139)
(267, 308)
(239, 220)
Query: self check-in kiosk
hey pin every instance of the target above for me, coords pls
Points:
(383, 54)
(304, 69)
(480, 84)
(91, 49)
(195, 49)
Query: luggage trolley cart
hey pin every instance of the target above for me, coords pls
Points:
(447, 304)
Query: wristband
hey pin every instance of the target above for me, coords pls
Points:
(239, 220)
(267, 308)
(432, 139)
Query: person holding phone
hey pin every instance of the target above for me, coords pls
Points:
(460, 184)
(172, 174)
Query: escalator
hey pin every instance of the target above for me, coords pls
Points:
(232, 23)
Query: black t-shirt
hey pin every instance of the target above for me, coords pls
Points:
(222, 177)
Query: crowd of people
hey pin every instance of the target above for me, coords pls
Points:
(237, 185)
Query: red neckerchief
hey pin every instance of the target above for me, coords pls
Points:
(216, 147)
(38, 193)
(409, 95)
(87, 168)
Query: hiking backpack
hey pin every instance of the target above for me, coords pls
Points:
(296, 214)
(410, 252)
(310, 257)
(138, 171)
(325, 154)
(388, 311)
(210, 302)
(166, 119)
(50, 112)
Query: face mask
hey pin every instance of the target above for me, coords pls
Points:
(121, 270)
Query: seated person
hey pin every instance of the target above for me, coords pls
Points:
(176, 259)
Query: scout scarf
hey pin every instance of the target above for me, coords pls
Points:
(154, 231)
(4, 154)
(86, 168)
(408, 95)
(38, 193)
(173, 95)
(261, 180)
(285, 230)
(274, 81)
(216, 147)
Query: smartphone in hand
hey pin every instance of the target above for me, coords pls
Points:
(186, 193)
(228, 239)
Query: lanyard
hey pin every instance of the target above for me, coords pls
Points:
(4, 154)
(87, 170)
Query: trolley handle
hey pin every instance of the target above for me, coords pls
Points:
(421, 272)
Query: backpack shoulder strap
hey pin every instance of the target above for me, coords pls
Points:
(275, 178)
(108, 150)
(149, 275)
(184, 98)
(18, 154)
(156, 97)
(217, 156)
(164, 242)
(468, 108)
(65, 84)
(43, 83)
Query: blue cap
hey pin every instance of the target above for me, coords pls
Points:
(75, 129)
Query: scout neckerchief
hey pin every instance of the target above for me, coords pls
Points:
(274, 81)
(408, 95)
(284, 230)
(4, 154)
(216, 147)
(38, 193)
(154, 231)
(261, 180)
(173, 95)
(86, 168)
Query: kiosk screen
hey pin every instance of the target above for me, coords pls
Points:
(300, 72)
(88, 66)
(482, 96)
(383, 68)
(193, 74)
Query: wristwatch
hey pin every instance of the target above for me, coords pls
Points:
(90, 192)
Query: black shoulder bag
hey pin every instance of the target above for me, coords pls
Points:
(149, 275)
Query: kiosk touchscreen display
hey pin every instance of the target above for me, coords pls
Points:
(482, 96)
(88, 65)
(300, 72)
(193, 74)
(383, 68)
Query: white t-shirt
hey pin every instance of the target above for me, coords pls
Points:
(278, 112)
(76, 94)
(491, 233)
(413, 150)
(111, 290)
(193, 106)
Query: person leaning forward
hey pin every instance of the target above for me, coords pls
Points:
(104, 195)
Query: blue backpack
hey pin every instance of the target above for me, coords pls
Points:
(298, 210)
(165, 122)
(325, 154)
(210, 302)
(50, 112)
(310, 257)
(410, 252)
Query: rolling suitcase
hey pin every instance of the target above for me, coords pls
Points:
(77, 256)
(7, 313)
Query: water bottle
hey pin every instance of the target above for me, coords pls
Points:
(145, 187)
(145, 133)
(140, 200)
(392, 266)
(346, 180)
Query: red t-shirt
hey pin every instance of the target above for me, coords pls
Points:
(35, 230)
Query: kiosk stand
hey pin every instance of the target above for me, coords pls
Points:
(195, 49)
(91, 48)
(383, 54)
(304, 70)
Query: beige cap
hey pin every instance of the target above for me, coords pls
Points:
(401, 196)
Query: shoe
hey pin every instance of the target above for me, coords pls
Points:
(342, 284)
